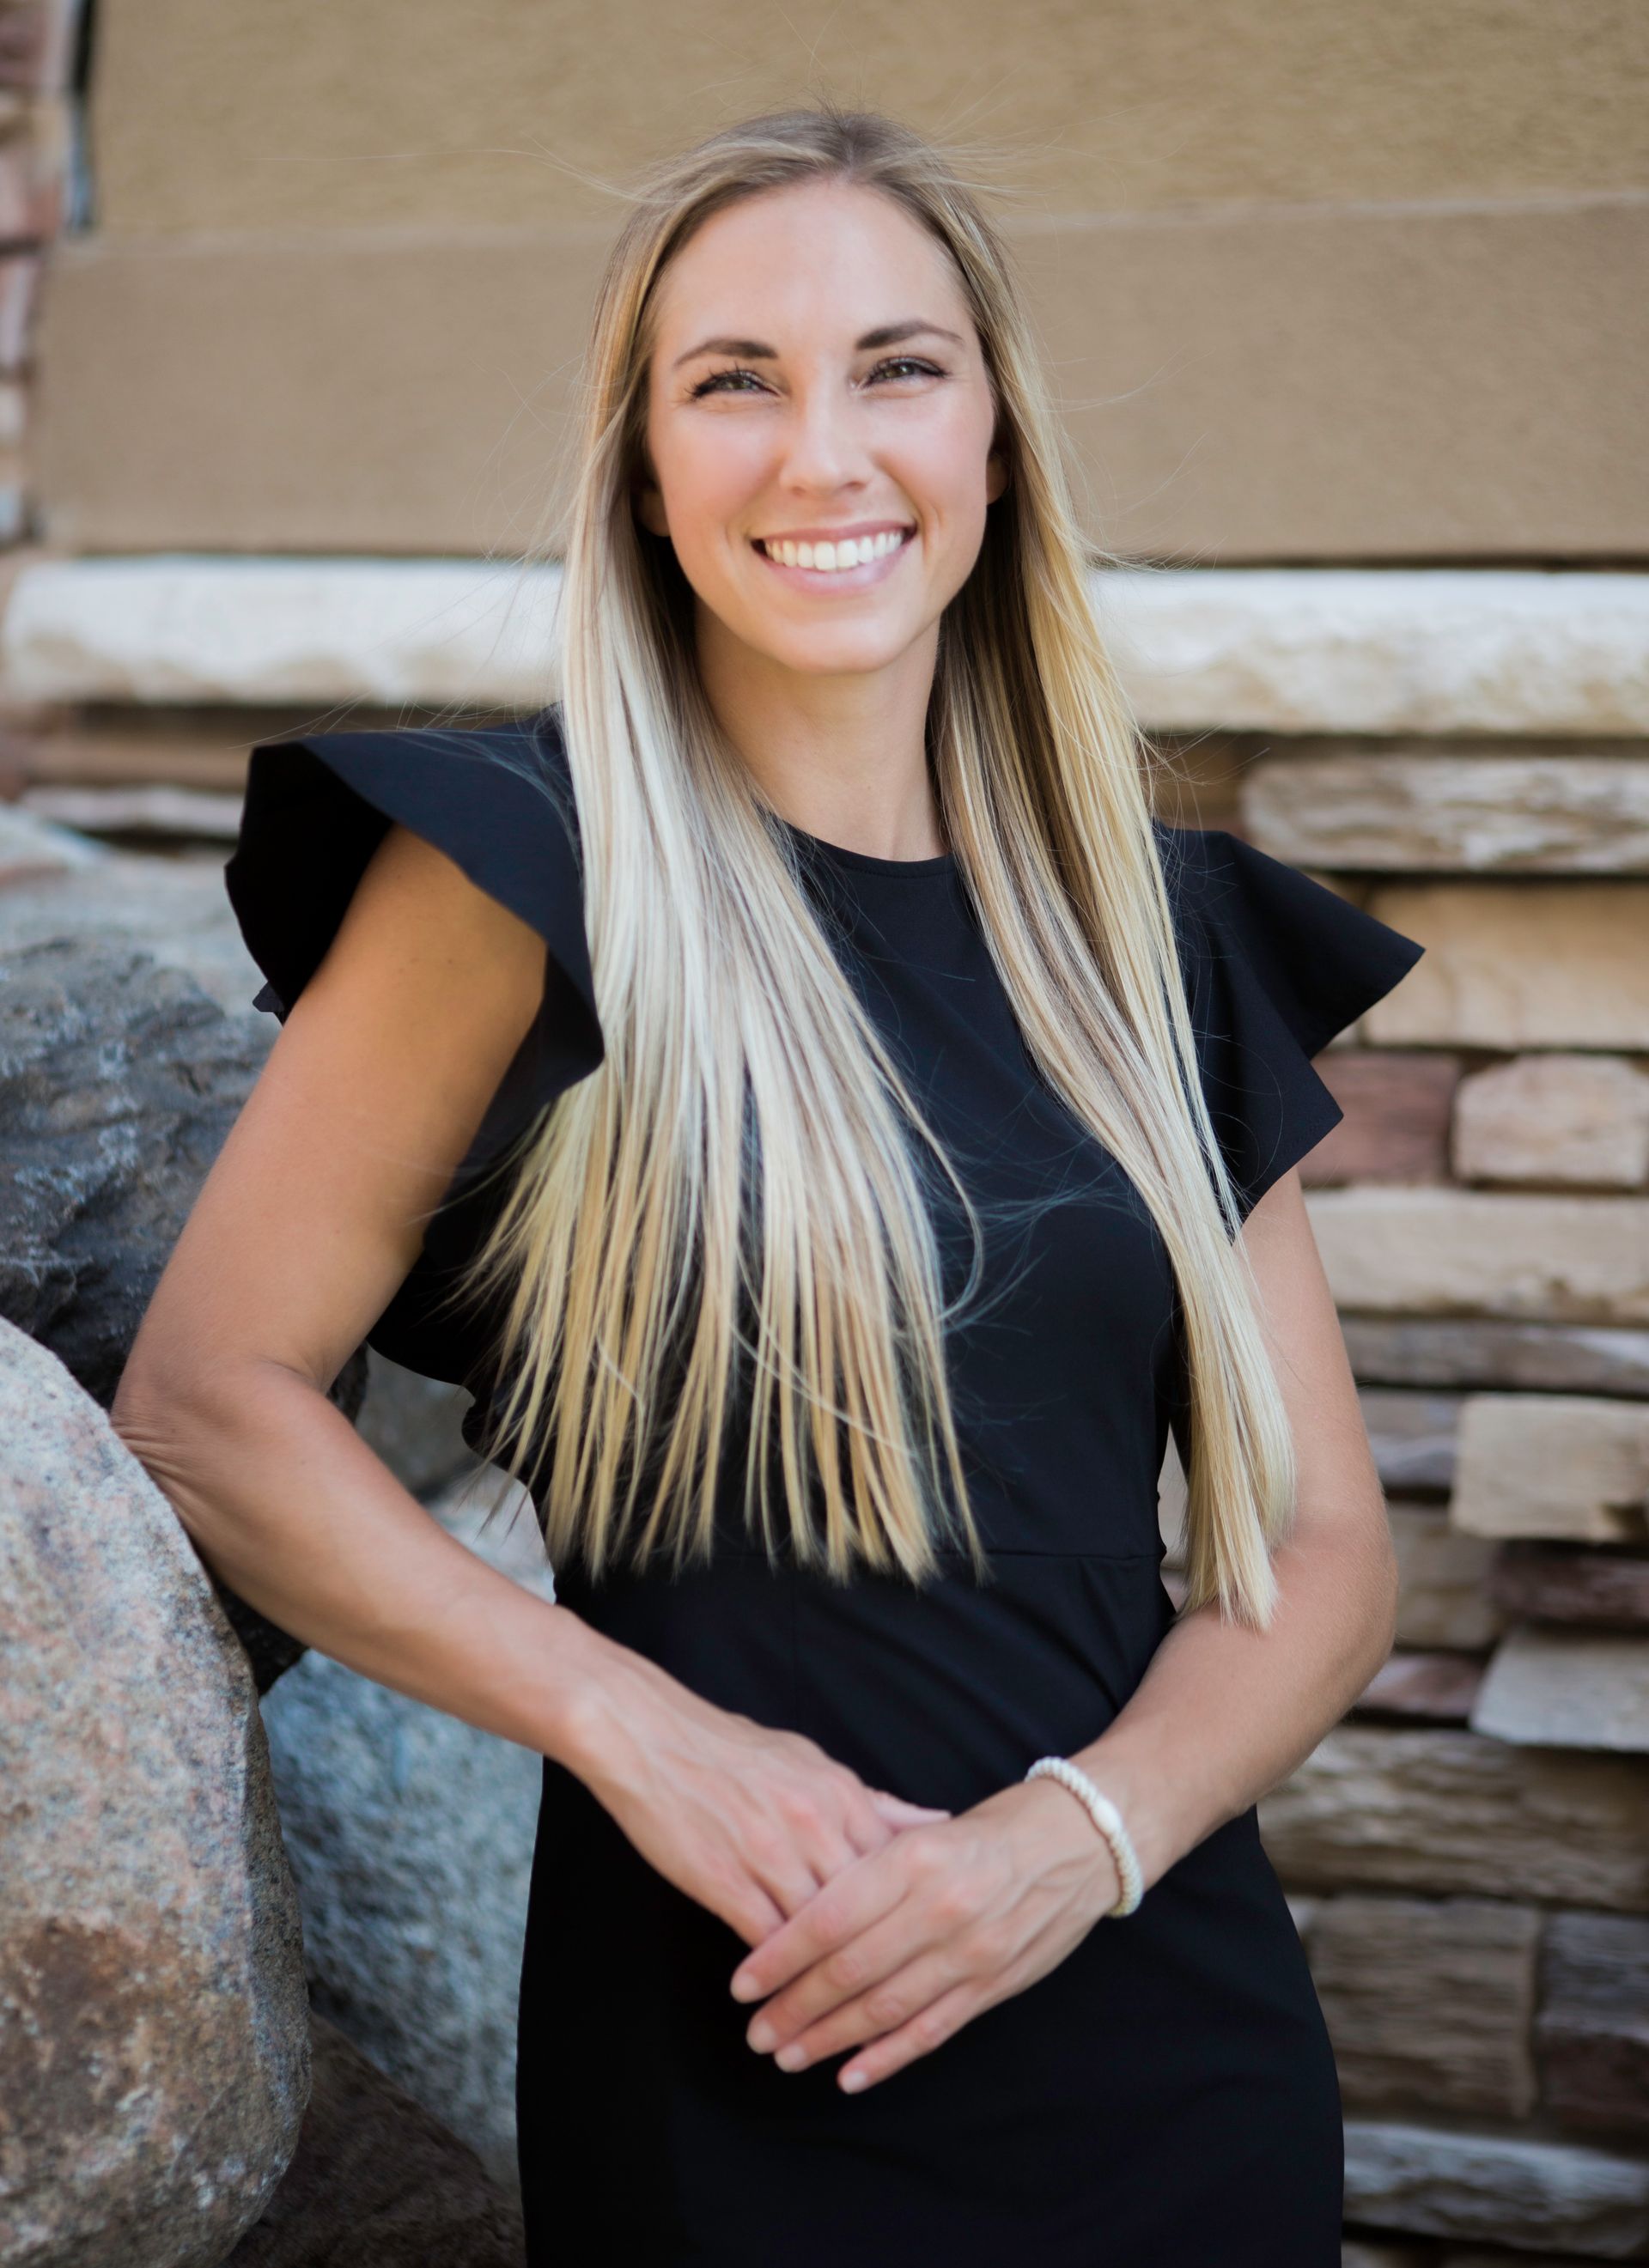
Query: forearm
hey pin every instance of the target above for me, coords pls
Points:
(296, 1515)
(1225, 1712)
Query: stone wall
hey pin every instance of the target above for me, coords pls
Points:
(1468, 1853)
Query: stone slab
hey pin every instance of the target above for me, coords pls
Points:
(1434, 1810)
(1563, 1689)
(1437, 1688)
(1588, 1586)
(1443, 1598)
(1512, 965)
(1454, 813)
(1461, 1253)
(1573, 1121)
(1412, 1436)
(1592, 2033)
(1467, 1352)
(1552, 1465)
(1429, 2001)
(1533, 2195)
(1398, 1104)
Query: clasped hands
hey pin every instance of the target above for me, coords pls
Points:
(908, 1943)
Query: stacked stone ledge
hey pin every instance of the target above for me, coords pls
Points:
(1468, 1853)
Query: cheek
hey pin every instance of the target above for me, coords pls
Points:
(950, 469)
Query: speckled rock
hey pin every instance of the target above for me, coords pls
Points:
(118, 1081)
(154, 2058)
(411, 1836)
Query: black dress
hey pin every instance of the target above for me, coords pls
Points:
(1166, 2097)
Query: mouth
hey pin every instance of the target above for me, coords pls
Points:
(852, 563)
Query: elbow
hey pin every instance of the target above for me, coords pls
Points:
(152, 1416)
(188, 1430)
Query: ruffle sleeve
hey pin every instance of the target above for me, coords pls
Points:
(1276, 965)
(499, 802)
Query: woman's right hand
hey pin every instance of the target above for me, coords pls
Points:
(747, 1819)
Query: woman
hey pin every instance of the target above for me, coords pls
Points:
(836, 1133)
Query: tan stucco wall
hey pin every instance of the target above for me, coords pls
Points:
(1356, 280)
(1238, 386)
(278, 113)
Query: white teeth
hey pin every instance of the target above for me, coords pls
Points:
(829, 559)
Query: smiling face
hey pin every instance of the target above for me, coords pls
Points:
(818, 431)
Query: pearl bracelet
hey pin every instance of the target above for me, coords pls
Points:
(1106, 1817)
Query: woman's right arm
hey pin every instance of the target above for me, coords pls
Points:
(303, 1230)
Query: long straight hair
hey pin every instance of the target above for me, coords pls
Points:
(732, 1210)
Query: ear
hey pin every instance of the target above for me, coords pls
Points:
(995, 475)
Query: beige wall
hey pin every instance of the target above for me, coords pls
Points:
(1239, 386)
(335, 114)
(1361, 280)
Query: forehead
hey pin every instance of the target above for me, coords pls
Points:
(820, 256)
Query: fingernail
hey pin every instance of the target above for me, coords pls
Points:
(760, 2036)
(791, 2057)
(744, 1988)
(852, 2081)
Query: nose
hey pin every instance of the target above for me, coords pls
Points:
(824, 448)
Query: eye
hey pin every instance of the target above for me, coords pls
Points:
(910, 361)
(714, 383)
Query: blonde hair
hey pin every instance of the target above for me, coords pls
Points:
(733, 1200)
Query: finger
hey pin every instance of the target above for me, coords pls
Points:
(785, 1876)
(878, 1816)
(849, 1902)
(919, 2036)
(899, 1973)
(898, 1813)
(753, 1914)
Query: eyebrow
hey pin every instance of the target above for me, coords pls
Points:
(889, 335)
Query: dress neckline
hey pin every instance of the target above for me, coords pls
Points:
(864, 862)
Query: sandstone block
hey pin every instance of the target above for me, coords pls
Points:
(1429, 2000)
(1498, 2189)
(1438, 1687)
(1453, 813)
(1412, 1437)
(1465, 1252)
(1398, 1104)
(1434, 1810)
(1582, 1121)
(1588, 1585)
(1567, 1689)
(1443, 1575)
(1556, 1465)
(1518, 964)
(1542, 1358)
(1592, 2033)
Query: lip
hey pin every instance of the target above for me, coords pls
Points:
(846, 580)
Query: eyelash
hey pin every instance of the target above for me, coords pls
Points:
(712, 384)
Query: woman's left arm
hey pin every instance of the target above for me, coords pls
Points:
(902, 1947)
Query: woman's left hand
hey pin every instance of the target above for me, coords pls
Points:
(904, 1946)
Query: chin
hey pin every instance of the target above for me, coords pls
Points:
(836, 654)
